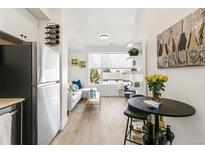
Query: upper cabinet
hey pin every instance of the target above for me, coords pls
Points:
(19, 23)
(40, 13)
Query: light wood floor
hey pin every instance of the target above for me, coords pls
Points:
(91, 124)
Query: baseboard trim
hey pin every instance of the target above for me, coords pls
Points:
(64, 123)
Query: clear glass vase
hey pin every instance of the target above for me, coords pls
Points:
(156, 97)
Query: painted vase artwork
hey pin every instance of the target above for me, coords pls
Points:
(183, 44)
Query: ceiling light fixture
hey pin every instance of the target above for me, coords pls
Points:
(104, 36)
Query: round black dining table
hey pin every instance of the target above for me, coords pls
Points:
(168, 107)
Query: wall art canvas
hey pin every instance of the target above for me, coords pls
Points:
(82, 64)
(183, 44)
(74, 61)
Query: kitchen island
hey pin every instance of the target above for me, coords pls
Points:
(14, 106)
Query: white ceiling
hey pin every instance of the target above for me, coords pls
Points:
(88, 24)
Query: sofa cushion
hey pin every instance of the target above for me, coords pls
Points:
(74, 87)
(78, 83)
(76, 96)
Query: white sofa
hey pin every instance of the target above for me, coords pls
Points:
(75, 97)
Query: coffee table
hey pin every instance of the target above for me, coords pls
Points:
(86, 92)
(94, 101)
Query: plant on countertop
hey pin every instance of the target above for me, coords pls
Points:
(133, 52)
(156, 85)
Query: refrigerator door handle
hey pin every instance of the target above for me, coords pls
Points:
(47, 83)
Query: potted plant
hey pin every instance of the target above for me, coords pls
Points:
(156, 85)
(133, 52)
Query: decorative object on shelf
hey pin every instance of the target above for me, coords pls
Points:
(161, 122)
(134, 63)
(133, 52)
(137, 133)
(52, 34)
(183, 44)
(156, 85)
(161, 131)
(165, 136)
(137, 65)
(148, 129)
(161, 136)
(74, 61)
(82, 64)
(94, 76)
(169, 135)
(135, 84)
(133, 69)
(106, 70)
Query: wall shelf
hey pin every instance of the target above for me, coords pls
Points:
(138, 62)
(135, 72)
(135, 57)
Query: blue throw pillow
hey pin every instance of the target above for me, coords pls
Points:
(78, 83)
(126, 88)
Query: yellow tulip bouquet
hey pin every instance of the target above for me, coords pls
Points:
(156, 84)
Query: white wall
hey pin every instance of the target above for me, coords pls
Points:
(75, 48)
(75, 72)
(64, 69)
(185, 84)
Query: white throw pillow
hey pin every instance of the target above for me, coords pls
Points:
(74, 87)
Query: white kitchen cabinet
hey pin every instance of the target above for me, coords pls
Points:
(30, 26)
(10, 21)
(19, 23)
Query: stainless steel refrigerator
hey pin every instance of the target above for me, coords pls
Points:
(32, 71)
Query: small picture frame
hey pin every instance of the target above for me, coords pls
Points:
(74, 61)
(82, 64)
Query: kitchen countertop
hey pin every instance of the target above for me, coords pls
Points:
(5, 102)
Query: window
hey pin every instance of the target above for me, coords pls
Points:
(108, 68)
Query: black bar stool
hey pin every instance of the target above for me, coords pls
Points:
(133, 114)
